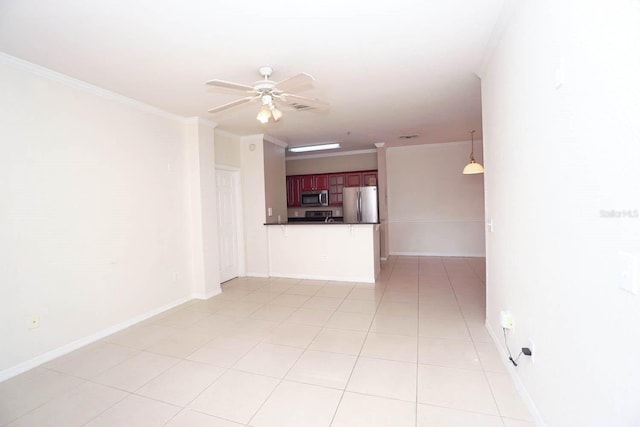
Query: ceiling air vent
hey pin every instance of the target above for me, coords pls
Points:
(408, 136)
(300, 107)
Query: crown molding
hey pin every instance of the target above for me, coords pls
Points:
(83, 86)
(275, 141)
(434, 144)
(507, 11)
(200, 121)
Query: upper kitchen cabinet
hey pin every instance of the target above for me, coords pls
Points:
(361, 179)
(293, 191)
(314, 182)
(336, 184)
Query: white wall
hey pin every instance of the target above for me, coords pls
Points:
(93, 223)
(203, 207)
(433, 208)
(227, 149)
(253, 205)
(275, 182)
(558, 151)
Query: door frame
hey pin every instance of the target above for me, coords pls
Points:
(237, 183)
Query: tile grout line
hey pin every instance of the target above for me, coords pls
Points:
(344, 390)
(418, 343)
(484, 372)
(227, 369)
(281, 380)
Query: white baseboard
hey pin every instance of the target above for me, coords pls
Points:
(437, 254)
(261, 275)
(522, 390)
(207, 295)
(74, 345)
(319, 277)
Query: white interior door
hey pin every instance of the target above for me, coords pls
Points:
(227, 183)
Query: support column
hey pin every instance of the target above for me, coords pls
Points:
(382, 199)
(203, 208)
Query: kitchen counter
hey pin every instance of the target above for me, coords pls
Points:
(347, 252)
(319, 223)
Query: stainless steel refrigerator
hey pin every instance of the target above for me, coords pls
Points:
(360, 204)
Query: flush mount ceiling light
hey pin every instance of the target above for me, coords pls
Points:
(473, 167)
(305, 148)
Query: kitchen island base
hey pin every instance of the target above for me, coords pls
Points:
(340, 252)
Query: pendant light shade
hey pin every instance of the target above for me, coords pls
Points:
(473, 167)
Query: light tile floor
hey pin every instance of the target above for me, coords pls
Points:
(410, 350)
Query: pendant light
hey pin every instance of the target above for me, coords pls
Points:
(473, 166)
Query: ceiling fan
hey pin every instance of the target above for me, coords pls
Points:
(268, 92)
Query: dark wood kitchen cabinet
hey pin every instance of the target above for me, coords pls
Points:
(370, 179)
(314, 182)
(293, 191)
(361, 179)
(336, 184)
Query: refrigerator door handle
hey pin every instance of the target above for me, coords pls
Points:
(359, 206)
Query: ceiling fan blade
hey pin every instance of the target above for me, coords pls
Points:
(230, 85)
(300, 102)
(295, 82)
(233, 104)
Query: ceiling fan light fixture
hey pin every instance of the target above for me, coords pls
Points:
(318, 147)
(473, 167)
(266, 91)
(275, 113)
(264, 114)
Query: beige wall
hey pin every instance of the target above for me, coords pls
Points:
(353, 162)
(433, 208)
(227, 148)
(275, 182)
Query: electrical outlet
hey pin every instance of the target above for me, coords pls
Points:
(175, 276)
(33, 322)
(490, 225)
(506, 319)
(532, 347)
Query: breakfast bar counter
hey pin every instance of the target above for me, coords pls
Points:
(324, 251)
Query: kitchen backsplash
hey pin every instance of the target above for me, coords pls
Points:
(335, 211)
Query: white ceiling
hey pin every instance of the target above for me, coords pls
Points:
(387, 67)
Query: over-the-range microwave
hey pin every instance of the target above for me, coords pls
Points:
(315, 198)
